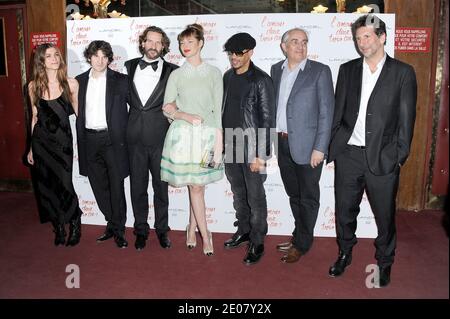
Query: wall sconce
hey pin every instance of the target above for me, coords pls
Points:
(114, 14)
(101, 9)
(364, 9)
(340, 6)
(77, 16)
(319, 9)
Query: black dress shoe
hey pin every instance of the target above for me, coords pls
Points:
(120, 241)
(74, 232)
(236, 241)
(339, 266)
(60, 234)
(140, 242)
(254, 254)
(107, 235)
(164, 240)
(385, 276)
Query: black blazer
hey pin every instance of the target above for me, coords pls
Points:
(390, 117)
(116, 118)
(146, 123)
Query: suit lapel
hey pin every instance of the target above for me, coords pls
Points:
(109, 92)
(159, 88)
(82, 95)
(301, 77)
(133, 67)
(381, 79)
(357, 85)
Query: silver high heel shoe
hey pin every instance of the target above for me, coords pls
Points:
(209, 252)
(190, 244)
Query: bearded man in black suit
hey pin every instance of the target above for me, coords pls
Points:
(147, 128)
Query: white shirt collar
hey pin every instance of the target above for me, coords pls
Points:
(150, 61)
(379, 64)
(301, 65)
(102, 75)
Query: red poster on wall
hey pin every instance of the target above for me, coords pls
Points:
(412, 40)
(38, 38)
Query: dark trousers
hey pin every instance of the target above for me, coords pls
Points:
(249, 200)
(301, 183)
(352, 177)
(142, 159)
(105, 180)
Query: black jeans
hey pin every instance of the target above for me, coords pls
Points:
(249, 200)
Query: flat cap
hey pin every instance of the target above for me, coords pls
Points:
(240, 42)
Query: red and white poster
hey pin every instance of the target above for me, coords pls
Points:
(412, 40)
(38, 38)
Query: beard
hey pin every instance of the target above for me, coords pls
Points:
(153, 54)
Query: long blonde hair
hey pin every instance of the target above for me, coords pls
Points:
(39, 75)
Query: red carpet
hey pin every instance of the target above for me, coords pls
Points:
(32, 267)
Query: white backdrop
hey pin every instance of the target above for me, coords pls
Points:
(330, 42)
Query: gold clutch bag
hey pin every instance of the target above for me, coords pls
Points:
(208, 160)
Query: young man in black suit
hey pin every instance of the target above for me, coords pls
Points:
(101, 132)
(372, 130)
(147, 128)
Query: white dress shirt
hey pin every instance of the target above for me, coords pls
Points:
(146, 80)
(369, 80)
(287, 81)
(95, 102)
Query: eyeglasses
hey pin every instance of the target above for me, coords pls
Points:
(238, 54)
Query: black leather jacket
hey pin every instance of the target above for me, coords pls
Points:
(257, 108)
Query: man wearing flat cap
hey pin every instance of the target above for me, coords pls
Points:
(247, 116)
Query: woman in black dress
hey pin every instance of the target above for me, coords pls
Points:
(53, 98)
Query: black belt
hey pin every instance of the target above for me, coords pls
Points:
(102, 130)
(282, 135)
(358, 146)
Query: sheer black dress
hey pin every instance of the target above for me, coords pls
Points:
(53, 158)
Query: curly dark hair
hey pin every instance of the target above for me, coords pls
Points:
(165, 39)
(96, 45)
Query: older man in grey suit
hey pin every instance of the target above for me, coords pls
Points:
(305, 104)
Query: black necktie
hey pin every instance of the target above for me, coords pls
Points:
(143, 64)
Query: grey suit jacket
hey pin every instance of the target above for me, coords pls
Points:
(309, 110)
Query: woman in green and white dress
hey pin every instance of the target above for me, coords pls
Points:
(193, 101)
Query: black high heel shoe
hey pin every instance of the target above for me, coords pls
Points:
(74, 232)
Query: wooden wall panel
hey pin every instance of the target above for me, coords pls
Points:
(48, 16)
(416, 13)
(441, 159)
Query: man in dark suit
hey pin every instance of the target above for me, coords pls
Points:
(371, 136)
(305, 103)
(147, 128)
(101, 133)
